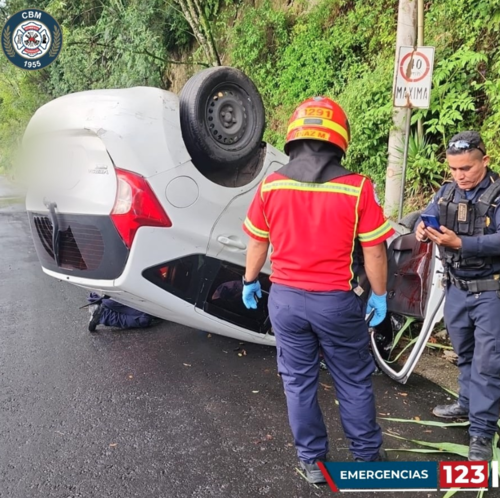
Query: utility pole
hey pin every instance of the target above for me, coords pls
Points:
(420, 43)
(405, 37)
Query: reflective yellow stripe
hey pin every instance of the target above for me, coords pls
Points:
(311, 187)
(322, 123)
(262, 185)
(256, 231)
(375, 234)
(356, 221)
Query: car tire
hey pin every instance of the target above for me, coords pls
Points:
(410, 220)
(222, 119)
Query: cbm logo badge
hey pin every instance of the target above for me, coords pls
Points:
(31, 39)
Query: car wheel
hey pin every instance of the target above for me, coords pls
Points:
(222, 119)
(410, 220)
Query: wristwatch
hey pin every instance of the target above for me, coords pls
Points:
(246, 282)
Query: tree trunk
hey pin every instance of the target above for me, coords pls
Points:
(208, 33)
(405, 36)
(195, 17)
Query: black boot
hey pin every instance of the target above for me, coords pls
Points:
(480, 449)
(454, 410)
(95, 317)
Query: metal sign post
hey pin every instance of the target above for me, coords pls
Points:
(405, 161)
(412, 89)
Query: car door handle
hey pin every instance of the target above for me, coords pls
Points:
(228, 241)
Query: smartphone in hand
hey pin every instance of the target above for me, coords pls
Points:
(431, 221)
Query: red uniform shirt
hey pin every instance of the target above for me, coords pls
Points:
(312, 228)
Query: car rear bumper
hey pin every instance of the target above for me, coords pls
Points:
(84, 246)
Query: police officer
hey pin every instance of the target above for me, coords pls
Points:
(469, 241)
(311, 211)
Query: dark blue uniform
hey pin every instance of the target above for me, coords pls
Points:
(473, 320)
(334, 320)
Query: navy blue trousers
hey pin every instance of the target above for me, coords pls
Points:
(302, 322)
(473, 323)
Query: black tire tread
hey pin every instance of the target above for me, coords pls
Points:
(205, 152)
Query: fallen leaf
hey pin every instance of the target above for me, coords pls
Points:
(187, 364)
(393, 431)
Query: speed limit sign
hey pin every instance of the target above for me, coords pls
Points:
(414, 77)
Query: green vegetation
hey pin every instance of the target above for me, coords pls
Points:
(427, 447)
(346, 50)
(292, 50)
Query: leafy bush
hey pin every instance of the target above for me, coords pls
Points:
(424, 169)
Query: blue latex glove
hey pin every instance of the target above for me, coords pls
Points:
(379, 304)
(250, 294)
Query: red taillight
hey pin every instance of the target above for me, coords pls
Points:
(136, 206)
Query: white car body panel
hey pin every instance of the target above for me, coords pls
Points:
(228, 241)
(140, 126)
(89, 185)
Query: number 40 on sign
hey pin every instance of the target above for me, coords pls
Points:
(470, 475)
(413, 79)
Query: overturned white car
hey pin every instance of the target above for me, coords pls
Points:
(140, 194)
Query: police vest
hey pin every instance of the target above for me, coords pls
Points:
(467, 218)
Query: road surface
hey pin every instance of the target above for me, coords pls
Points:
(160, 413)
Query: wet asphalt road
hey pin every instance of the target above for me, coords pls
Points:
(165, 412)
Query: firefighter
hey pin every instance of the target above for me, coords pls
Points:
(312, 211)
(469, 243)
